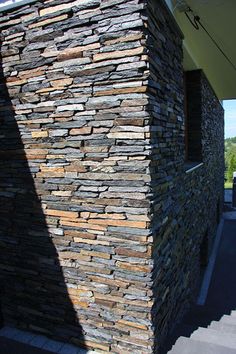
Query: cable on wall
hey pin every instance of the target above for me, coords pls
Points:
(196, 23)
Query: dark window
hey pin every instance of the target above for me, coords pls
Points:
(193, 116)
(218, 212)
(204, 251)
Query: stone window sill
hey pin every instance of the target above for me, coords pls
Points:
(192, 166)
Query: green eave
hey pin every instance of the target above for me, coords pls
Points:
(218, 16)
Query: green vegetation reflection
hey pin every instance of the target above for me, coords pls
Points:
(230, 161)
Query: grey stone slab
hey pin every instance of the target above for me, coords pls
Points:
(58, 132)
(230, 215)
(71, 349)
(228, 319)
(224, 327)
(52, 346)
(38, 341)
(228, 195)
(215, 337)
(9, 346)
(24, 337)
(8, 332)
(192, 346)
(129, 230)
(68, 349)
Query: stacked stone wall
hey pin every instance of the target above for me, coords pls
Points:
(75, 241)
(186, 204)
(100, 226)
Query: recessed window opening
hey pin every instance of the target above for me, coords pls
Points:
(218, 212)
(204, 251)
(193, 119)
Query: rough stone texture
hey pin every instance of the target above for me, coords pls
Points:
(185, 206)
(75, 151)
(100, 225)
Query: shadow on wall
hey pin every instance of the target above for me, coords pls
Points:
(184, 204)
(33, 294)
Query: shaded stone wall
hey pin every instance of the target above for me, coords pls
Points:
(185, 205)
(75, 245)
(193, 120)
(104, 221)
(167, 168)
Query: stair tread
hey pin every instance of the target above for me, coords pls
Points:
(193, 346)
(215, 337)
(213, 334)
(224, 327)
(228, 319)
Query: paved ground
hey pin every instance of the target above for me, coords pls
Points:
(15, 341)
(222, 291)
(221, 298)
(228, 196)
(9, 346)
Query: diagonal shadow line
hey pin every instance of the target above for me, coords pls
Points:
(34, 294)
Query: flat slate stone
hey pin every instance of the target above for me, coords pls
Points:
(38, 341)
(9, 346)
(224, 327)
(52, 346)
(192, 346)
(215, 337)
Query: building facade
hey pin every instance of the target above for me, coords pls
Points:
(112, 172)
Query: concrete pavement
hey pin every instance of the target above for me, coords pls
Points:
(9, 346)
(221, 296)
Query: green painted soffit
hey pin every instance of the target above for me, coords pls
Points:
(218, 16)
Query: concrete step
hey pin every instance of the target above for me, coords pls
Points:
(215, 337)
(182, 330)
(228, 319)
(192, 346)
(224, 327)
(231, 215)
(233, 313)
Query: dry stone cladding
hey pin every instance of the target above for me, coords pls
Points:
(100, 226)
